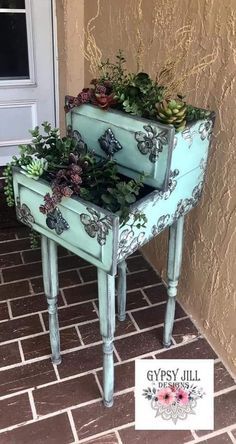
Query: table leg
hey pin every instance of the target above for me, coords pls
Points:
(106, 296)
(174, 265)
(50, 282)
(122, 266)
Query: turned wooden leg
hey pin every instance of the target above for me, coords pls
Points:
(121, 290)
(174, 265)
(50, 282)
(106, 296)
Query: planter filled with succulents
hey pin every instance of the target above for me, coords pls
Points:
(129, 146)
(133, 163)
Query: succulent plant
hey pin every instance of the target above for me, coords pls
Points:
(172, 112)
(194, 113)
(35, 168)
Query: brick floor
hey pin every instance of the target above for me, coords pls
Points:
(41, 403)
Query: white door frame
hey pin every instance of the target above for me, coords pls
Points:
(56, 63)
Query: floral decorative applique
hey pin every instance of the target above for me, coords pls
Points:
(174, 402)
(205, 129)
(55, 221)
(187, 135)
(159, 195)
(96, 225)
(161, 224)
(197, 192)
(23, 214)
(129, 243)
(151, 142)
(183, 206)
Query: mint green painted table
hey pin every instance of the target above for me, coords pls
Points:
(175, 165)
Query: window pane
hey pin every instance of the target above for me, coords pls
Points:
(13, 47)
(13, 4)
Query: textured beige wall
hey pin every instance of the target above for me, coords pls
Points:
(208, 282)
(70, 26)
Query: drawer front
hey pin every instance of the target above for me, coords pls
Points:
(82, 229)
(140, 145)
(191, 146)
(161, 210)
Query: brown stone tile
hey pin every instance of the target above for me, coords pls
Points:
(89, 274)
(34, 255)
(26, 376)
(234, 433)
(66, 279)
(17, 328)
(224, 412)
(222, 378)
(139, 344)
(3, 311)
(223, 438)
(135, 299)
(81, 361)
(199, 349)
(157, 293)
(65, 394)
(15, 410)
(90, 332)
(32, 304)
(69, 262)
(124, 376)
(151, 316)
(184, 331)
(40, 345)
(110, 438)
(6, 235)
(22, 231)
(131, 436)
(141, 279)
(9, 260)
(55, 430)
(95, 418)
(74, 314)
(14, 245)
(14, 290)
(137, 263)
(81, 293)
(22, 271)
(9, 354)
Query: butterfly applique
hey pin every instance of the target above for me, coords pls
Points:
(55, 221)
(23, 214)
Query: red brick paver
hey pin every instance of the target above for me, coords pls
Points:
(44, 404)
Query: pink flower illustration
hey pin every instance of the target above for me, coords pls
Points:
(182, 397)
(166, 396)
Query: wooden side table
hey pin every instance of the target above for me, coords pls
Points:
(106, 296)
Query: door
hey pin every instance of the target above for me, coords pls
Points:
(27, 96)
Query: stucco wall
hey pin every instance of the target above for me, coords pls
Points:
(208, 282)
(70, 25)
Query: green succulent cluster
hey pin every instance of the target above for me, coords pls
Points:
(193, 113)
(35, 168)
(61, 162)
(139, 95)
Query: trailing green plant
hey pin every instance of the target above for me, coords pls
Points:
(71, 172)
(136, 94)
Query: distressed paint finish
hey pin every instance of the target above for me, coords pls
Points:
(51, 289)
(174, 265)
(209, 294)
(96, 234)
(106, 299)
(121, 290)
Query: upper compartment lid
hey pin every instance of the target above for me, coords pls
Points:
(138, 145)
